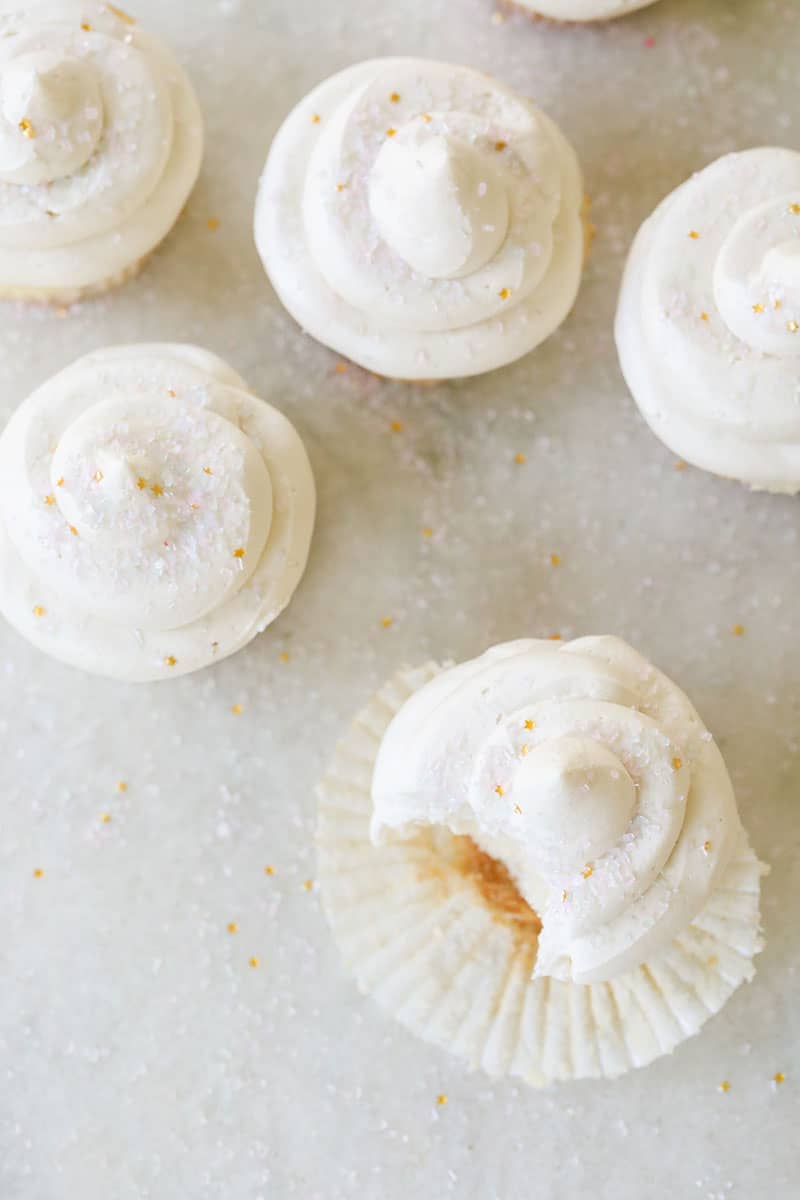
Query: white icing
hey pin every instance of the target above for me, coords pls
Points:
(100, 144)
(151, 509)
(588, 774)
(427, 224)
(708, 325)
(583, 10)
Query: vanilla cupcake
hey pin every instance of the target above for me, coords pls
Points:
(101, 140)
(535, 860)
(708, 325)
(154, 514)
(580, 10)
(422, 219)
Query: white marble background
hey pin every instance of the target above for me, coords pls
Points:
(141, 1057)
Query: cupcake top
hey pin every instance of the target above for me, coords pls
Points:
(583, 10)
(101, 140)
(422, 219)
(588, 775)
(154, 515)
(708, 327)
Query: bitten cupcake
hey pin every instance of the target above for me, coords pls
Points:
(101, 140)
(422, 219)
(578, 11)
(535, 860)
(154, 514)
(708, 325)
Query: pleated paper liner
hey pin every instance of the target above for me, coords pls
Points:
(437, 933)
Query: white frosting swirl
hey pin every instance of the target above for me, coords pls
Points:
(422, 219)
(588, 774)
(708, 326)
(101, 140)
(154, 516)
(583, 10)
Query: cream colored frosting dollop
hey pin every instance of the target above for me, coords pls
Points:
(422, 219)
(583, 10)
(101, 140)
(154, 514)
(708, 325)
(588, 774)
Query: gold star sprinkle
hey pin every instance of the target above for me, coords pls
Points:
(27, 128)
(122, 786)
(794, 208)
(677, 763)
(170, 660)
(706, 847)
(441, 1099)
(233, 927)
(778, 1077)
(341, 187)
(792, 326)
(254, 961)
(427, 532)
(519, 459)
(530, 724)
(98, 477)
(308, 884)
(504, 293)
(725, 1086)
(141, 483)
(555, 560)
(776, 304)
(39, 611)
(395, 97)
(106, 818)
(427, 118)
(38, 873)
(500, 790)
(524, 749)
(758, 308)
(737, 630)
(703, 316)
(60, 482)
(239, 552)
(391, 132)
(237, 710)
(387, 622)
(121, 15)
(500, 146)
(283, 656)
(269, 870)
(396, 426)
(587, 871)
(50, 499)
(212, 224)
(315, 119)
(157, 489)
(86, 27)
(693, 234)
(207, 471)
(73, 531)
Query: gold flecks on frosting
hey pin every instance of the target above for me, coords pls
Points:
(121, 15)
(758, 308)
(86, 27)
(106, 818)
(213, 224)
(680, 465)
(315, 118)
(677, 763)
(73, 531)
(98, 477)
(529, 724)
(704, 316)
(524, 748)
(26, 128)
(518, 810)
(233, 927)
(170, 661)
(588, 871)
(283, 656)
(391, 132)
(426, 531)
(254, 961)
(564, 896)
(341, 368)
(792, 326)
(157, 489)
(141, 483)
(239, 552)
(207, 471)
(237, 710)
(555, 560)
(50, 498)
(122, 786)
(724, 1086)
(693, 234)
(554, 637)
(60, 482)
(500, 790)
(504, 293)
(500, 146)
(341, 187)
(776, 304)
(519, 458)
(38, 610)
(387, 622)
(395, 97)
(712, 960)
(794, 208)
(38, 873)
(441, 1099)
(737, 630)
(171, 393)
(779, 1077)
(706, 847)
(427, 118)
(269, 870)
(396, 426)
(308, 884)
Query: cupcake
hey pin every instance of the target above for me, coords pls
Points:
(154, 514)
(535, 861)
(101, 140)
(577, 11)
(708, 325)
(422, 219)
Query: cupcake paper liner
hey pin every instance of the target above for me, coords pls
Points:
(436, 933)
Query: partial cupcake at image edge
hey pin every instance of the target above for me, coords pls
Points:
(578, 12)
(535, 861)
(155, 515)
(422, 219)
(708, 323)
(101, 140)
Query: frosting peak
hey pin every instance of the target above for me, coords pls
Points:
(436, 201)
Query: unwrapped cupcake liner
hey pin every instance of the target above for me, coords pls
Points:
(436, 933)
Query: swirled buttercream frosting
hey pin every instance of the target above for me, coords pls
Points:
(422, 219)
(708, 325)
(582, 10)
(154, 514)
(101, 140)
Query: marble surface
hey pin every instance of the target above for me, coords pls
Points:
(141, 1056)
